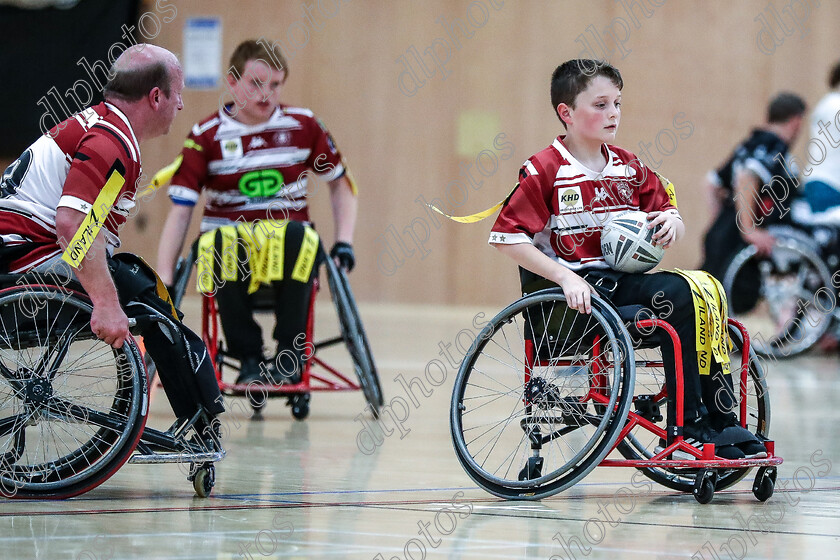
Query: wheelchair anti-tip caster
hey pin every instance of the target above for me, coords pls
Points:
(300, 405)
(765, 482)
(204, 479)
(704, 485)
(532, 470)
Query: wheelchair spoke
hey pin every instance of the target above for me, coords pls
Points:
(9, 425)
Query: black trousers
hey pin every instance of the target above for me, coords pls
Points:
(186, 373)
(290, 305)
(668, 296)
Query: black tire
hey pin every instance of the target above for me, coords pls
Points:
(300, 406)
(640, 443)
(786, 282)
(704, 489)
(765, 483)
(491, 390)
(84, 402)
(354, 336)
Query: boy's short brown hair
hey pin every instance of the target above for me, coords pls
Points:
(573, 76)
(253, 50)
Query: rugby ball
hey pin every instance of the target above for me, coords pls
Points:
(627, 243)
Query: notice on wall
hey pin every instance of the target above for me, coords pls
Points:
(202, 58)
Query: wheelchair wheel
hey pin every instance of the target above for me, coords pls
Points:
(355, 336)
(72, 408)
(650, 382)
(795, 299)
(541, 396)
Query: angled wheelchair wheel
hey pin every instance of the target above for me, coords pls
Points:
(650, 400)
(541, 396)
(72, 408)
(354, 335)
(787, 298)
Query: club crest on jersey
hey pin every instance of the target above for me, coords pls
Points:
(231, 148)
(569, 199)
(624, 190)
(283, 137)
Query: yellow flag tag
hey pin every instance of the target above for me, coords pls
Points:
(78, 247)
(163, 176)
(669, 189)
(477, 217)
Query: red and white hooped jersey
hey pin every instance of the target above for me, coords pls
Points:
(560, 205)
(254, 172)
(68, 166)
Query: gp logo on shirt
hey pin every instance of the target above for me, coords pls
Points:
(264, 182)
(569, 199)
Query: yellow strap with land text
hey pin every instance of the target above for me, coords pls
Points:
(710, 318)
(83, 239)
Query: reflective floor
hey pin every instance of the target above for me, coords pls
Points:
(340, 485)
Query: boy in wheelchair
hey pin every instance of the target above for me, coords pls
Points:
(550, 226)
(252, 161)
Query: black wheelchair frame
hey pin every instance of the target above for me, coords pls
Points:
(73, 409)
(795, 287)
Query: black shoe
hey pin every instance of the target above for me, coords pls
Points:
(700, 432)
(285, 369)
(753, 449)
(250, 371)
(732, 433)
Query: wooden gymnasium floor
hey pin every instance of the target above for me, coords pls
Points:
(290, 489)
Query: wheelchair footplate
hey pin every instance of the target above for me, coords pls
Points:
(194, 441)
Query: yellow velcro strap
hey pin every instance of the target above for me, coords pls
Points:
(78, 247)
(669, 189)
(710, 315)
(205, 259)
(262, 243)
(477, 217)
(306, 257)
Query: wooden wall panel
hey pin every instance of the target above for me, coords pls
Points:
(695, 58)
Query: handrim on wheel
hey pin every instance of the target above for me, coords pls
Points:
(72, 408)
(541, 380)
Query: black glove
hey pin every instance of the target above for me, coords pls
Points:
(344, 253)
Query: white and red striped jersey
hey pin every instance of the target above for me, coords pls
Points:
(254, 172)
(68, 166)
(561, 205)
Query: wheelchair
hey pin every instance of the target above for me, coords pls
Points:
(73, 409)
(544, 394)
(791, 294)
(317, 374)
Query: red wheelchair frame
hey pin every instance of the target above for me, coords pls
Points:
(704, 488)
(563, 394)
(326, 377)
